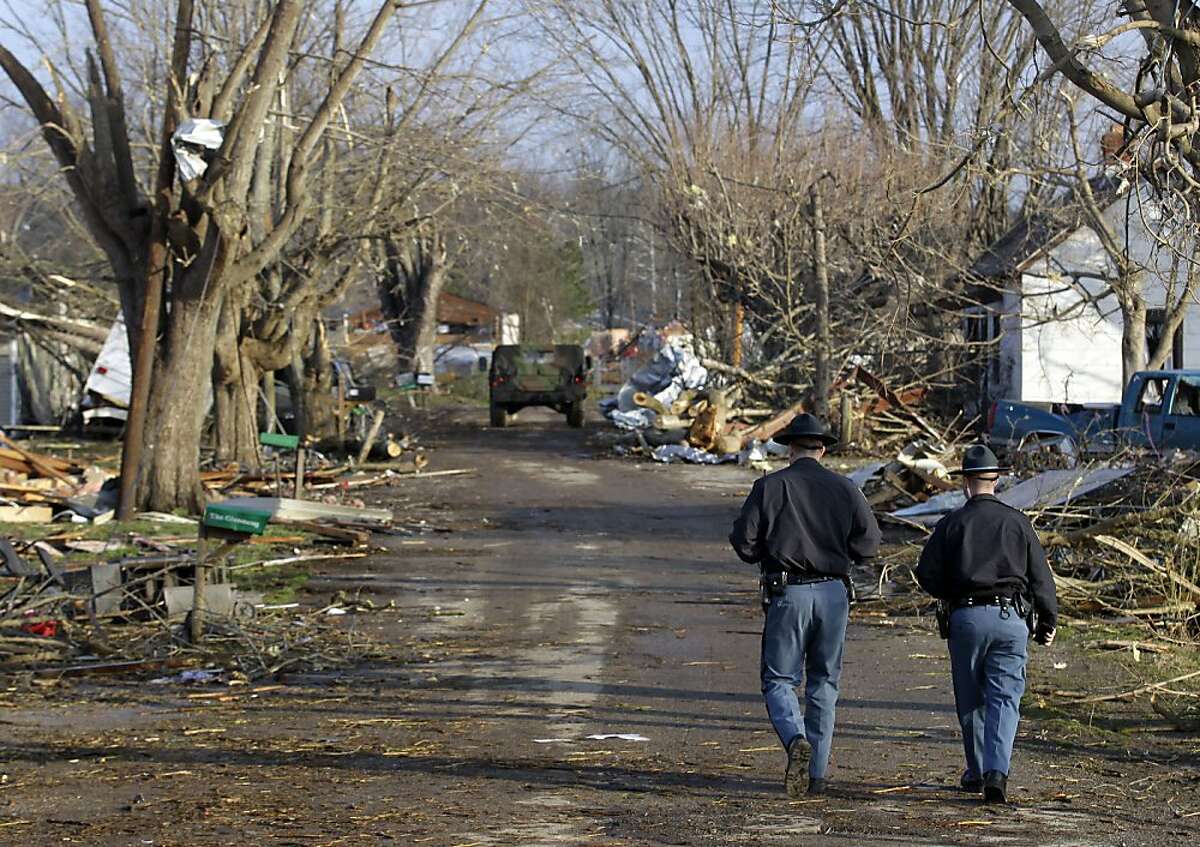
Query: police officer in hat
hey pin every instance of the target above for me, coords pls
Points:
(804, 526)
(986, 566)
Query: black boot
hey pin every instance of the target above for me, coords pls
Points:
(995, 787)
(799, 752)
(972, 785)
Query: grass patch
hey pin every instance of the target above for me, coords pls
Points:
(94, 532)
(1093, 672)
(455, 390)
(279, 584)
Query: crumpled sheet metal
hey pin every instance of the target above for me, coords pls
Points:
(1051, 488)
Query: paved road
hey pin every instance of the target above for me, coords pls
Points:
(603, 600)
(566, 596)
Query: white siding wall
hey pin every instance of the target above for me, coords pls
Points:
(1077, 360)
(1062, 344)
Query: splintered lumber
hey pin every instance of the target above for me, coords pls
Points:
(649, 401)
(24, 462)
(342, 534)
(30, 493)
(385, 449)
(1141, 689)
(1138, 556)
(709, 423)
(769, 428)
(1119, 644)
(369, 442)
(1108, 525)
(26, 514)
(42, 465)
(412, 464)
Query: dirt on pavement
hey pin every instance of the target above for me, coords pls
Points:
(561, 595)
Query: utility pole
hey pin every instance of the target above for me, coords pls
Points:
(653, 274)
(821, 380)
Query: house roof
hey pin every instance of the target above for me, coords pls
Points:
(459, 311)
(1000, 261)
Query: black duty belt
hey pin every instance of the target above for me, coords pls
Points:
(982, 600)
(808, 578)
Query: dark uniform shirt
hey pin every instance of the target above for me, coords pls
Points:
(805, 518)
(987, 548)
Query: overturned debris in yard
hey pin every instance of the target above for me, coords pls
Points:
(684, 407)
(56, 609)
(137, 595)
(1122, 536)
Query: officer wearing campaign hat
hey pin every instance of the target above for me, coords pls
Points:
(804, 526)
(987, 568)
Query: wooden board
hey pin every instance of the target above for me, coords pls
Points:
(26, 514)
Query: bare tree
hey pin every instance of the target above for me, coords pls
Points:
(178, 253)
(1160, 111)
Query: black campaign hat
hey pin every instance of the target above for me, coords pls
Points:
(978, 459)
(805, 426)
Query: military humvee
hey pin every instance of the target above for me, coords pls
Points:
(523, 375)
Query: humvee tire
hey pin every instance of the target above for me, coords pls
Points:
(575, 414)
(498, 415)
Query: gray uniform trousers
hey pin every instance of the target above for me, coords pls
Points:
(987, 660)
(802, 642)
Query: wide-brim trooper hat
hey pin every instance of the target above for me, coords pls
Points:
(805, 426)
(979, 459)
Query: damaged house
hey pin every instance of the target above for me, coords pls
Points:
(1041, 320)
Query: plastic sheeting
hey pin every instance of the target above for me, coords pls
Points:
(678, 453)
(191, 139)
(637, 418)
(674, 370)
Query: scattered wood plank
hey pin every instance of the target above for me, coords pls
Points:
(341, 534)
(1122, 644)
(26, 514)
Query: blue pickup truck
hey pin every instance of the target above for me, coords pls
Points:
(1160, 409)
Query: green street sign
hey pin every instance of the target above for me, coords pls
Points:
(279, 439)
(236, 520)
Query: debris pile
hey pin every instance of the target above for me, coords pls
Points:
(1122, 536)
(674, 410)
(132, 597)
(35, 488)
(682, 406)
(659, 394)
(917, 475)
(1126, 542)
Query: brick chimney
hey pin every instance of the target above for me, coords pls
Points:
(1112, 142)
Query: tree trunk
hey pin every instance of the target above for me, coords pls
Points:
(169, 472)
(416, 271)
(316, 387)
(235, 381)
(1133, 335)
